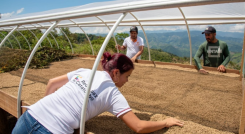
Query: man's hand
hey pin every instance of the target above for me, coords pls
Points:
(202, 71)
(221, 68)
(133, 59)
(118, 46)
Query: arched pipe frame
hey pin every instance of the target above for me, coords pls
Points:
(24, 38)
(46, 37)
(55, 40)
(16, 40)
(49, 41)
(96, 63)
(7, 39)
(85, 35)
(68, 40)
(32, 32)
(144, 35)
(27, 65)
(34, 36)
(189, 35)
(108, 29)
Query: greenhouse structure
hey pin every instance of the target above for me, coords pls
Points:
(125, 13)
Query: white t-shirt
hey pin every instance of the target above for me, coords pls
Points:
(133, 47)
(60, 112)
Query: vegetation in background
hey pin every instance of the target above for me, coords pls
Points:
(164, 47)
(13, 59)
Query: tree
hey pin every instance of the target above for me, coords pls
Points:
(120, 37)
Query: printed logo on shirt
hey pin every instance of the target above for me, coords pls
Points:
(214, 51)
(77, 78)
(137, 44)
(80, 82)
(92, 95)
(83, 85)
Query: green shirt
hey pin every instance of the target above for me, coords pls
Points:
(214, 54)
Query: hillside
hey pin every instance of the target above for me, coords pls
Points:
(178, 42)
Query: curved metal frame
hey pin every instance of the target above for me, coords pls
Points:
(109, 30)
(144, 35)
(189, 35)
(96, 63)
(49, 41)
(46, 37)
(85, 35)
(7, 39)
(35, 36)
(16, 40)
(24, 38)
(55, 40)
(67, 39)
(27, 65)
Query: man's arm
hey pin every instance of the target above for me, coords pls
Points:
(141, 49)
(121, 47)
(227, 56)
(141, 126)
(198, 56)
(56, 83)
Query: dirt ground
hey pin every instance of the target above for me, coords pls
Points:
(207, 103)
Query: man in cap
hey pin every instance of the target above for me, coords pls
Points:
(134, 44)
(215, 52)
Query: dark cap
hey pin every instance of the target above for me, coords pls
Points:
(209, 30)
(134, 28)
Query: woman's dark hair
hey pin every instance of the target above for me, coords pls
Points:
(116, 61)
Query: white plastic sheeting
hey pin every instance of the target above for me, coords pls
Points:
(165, 12)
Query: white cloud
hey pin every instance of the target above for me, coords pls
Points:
(20, 11)
(6, 15)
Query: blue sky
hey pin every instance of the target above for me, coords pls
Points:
(31, 6)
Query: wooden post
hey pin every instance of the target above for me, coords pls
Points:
(242, 119)
(241, 72)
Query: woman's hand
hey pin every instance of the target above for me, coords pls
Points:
(141, 126)
(172, 121)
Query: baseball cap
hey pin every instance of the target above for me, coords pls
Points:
(209, 29)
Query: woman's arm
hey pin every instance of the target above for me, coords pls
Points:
(56, 83)
(141, 126)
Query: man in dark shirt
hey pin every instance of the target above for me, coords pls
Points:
(215, 52)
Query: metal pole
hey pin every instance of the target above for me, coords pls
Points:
(85, 35)
(35, 36)
(55, 40)
(25, 39)
(189, 35)
(8, 36)
(242, 62)
(67, 39)
(109, 30)
(144, 35)
(27, 65)
(96, 63)
(49, 41)
(16, 40)
(8, 40)
(88, 40)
